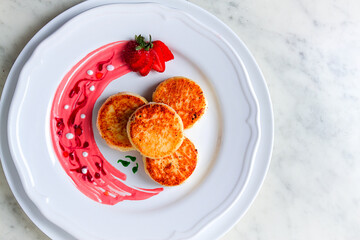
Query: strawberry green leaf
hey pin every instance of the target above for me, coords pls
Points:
(142, 44)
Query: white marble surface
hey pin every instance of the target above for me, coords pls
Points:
(309, 52)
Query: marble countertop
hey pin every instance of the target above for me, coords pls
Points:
(309, 52)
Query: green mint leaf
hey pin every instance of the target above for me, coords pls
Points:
(123, 162)
(134, 169)
(132, 158)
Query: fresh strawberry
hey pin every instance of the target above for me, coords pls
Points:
(147, 67)
(129, 54)
(142, 56)
(141, 59)
(167, 54)
(159, 62)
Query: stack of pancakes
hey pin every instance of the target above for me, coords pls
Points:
(127, 121)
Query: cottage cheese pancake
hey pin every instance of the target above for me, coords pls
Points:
(183, 95)
(113, 117)
(155, 130)
(174, 169)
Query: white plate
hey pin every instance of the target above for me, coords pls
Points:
(226, 137)
(225, 221)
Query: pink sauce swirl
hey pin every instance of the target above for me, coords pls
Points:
(71, 127)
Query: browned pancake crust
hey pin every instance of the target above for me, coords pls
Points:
(183, 95)
(174, 169)
(113, 117)
(155, 130)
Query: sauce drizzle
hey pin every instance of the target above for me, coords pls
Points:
(71, 127)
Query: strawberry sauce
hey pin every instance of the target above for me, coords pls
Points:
(71, 127)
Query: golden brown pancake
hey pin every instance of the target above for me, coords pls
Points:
(113, 117)
(155, 130)
(183, 95)
(174, 169)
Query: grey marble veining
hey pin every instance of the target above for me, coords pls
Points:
(309, 52)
